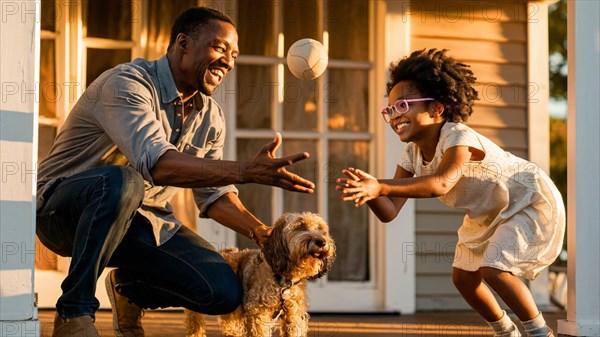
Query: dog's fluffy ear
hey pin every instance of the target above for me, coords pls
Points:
(275, 248)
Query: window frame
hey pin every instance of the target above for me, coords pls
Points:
(322, 135)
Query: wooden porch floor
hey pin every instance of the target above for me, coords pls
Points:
(433, 324)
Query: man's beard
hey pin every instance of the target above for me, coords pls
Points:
(204, 87)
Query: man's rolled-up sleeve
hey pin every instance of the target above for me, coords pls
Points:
(205, 196)
(149, 157)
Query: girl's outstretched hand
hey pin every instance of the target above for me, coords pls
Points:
(359, 187)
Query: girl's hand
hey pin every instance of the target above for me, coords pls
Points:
(360, 187)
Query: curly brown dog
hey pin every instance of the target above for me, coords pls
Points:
(274, 279)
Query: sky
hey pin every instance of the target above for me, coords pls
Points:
(557, 109)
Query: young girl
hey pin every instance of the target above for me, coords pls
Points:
(515, 219)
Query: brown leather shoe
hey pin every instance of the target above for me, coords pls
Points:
(127, 317)
(82, 326)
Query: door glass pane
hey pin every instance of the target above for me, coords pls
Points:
(299, 104)
(256, 27)
(45, 259)
(347, 94)
(308, 168)
(300, 20)
(256, 92)
(257, 198)
(348, 26)
(46, 135)
(349, 226)
(49, 16)
(100, 60)
(50, 92)
(110, 19)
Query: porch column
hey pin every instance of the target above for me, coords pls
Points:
(399, 234)
(538, 87)
(19, 94)
(583, 303)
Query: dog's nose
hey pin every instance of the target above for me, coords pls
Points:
(320, 243)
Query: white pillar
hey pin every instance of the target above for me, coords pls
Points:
(583, 303)
(19, 73)
(538, 86)
(399, 234)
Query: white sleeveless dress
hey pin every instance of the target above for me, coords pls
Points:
(515, 216)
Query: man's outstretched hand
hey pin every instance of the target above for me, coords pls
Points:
(266, 169)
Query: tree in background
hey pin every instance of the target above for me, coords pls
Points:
(557, 30)
(558, 165)
(557, 43)
(558, 154)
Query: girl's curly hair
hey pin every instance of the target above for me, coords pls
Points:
(439, 76)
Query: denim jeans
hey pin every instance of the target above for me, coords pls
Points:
(92, 217)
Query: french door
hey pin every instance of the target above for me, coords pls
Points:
(327, 117)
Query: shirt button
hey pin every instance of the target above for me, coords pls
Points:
(187, 147)
(177, 130)
(178, 115)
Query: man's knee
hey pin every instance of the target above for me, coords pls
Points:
(126, 185)
(227, 296)
(134, 182)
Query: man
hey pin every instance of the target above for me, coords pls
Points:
(140, 131)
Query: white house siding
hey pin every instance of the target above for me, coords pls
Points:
(491, 36)
(18, 107)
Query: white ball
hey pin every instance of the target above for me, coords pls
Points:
(307, 59)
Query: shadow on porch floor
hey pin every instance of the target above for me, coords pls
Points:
(169, 323)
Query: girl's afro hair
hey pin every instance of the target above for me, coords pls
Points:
(439, 76)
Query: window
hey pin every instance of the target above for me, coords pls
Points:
(49, 118)
(101, 33)
(327, 117)
(107, 34)
(50, 89)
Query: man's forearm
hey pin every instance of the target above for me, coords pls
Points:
(229, 211)
(178, 169)
(182, 170)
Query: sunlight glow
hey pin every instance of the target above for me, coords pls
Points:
(280, 45)
(280, 67)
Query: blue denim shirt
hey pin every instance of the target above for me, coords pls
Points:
(131, 115)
